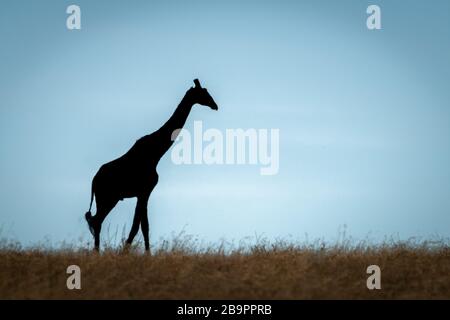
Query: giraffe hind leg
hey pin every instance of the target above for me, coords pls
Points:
(104, 206)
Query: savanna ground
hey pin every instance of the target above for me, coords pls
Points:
(179, 269)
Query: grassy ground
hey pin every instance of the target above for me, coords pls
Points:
(265, 271)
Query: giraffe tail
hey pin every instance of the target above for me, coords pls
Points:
(88, 214)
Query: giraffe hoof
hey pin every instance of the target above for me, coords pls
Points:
(126, 247)
(88, 217)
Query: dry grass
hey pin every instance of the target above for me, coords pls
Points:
(177, 270)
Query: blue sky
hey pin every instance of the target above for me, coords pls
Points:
(363, 115)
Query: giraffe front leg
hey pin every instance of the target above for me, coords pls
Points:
(141, 207)
(145, 229)
(134, 227)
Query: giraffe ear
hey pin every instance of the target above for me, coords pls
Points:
(197, 84)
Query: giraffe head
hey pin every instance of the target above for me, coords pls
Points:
(201, 96)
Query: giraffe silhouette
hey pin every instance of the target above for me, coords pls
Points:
(134, 173)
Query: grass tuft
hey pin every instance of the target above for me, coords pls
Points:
(186, 268)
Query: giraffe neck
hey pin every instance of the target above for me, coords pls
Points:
(175, 122)
(179, 117)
